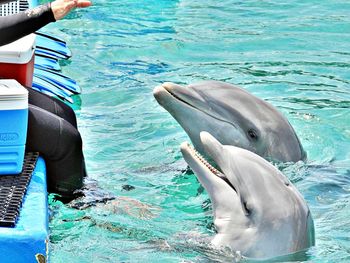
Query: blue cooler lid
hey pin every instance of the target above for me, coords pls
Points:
(13, 96)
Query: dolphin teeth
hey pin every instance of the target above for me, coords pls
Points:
(204, 161)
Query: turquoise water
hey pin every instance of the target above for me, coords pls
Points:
(294, 54)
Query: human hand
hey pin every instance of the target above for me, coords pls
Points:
(61, 8)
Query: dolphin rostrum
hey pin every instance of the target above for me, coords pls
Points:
(233, 116)
(257, 210)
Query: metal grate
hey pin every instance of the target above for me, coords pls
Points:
(13, 7)
(13, 189)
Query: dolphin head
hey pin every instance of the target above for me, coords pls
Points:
(257, 211)
(233, 116)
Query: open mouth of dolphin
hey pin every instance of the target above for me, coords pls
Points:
(200, 159)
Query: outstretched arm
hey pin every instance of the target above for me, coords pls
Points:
(19, 25)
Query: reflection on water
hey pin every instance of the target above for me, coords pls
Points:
(294, 54)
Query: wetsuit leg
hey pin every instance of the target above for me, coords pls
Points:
(59, 142)
(52, 105)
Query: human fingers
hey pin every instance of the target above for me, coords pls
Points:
(83, 3)
(61, 8)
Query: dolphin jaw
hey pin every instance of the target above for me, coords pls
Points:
(168, 88)
(168, 100)
(157, 90)
(199, 158)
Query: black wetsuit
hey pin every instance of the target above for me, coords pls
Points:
(52, 125)
(15, 26)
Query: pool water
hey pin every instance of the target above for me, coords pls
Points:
(294, 54)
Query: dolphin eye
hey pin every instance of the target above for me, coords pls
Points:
(252, 134)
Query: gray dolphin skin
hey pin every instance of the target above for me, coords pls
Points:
(233, 116)
(257, 211)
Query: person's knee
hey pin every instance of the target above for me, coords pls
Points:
(70, 140)
(65, 112)
(74, 138)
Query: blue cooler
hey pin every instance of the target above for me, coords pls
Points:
(13, 125)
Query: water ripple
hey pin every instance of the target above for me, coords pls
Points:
(294, 54)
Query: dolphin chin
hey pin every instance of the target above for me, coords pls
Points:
(233, 116)
(256, 209)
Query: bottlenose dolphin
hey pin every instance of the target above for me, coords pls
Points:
(233, 116)
(257, 210)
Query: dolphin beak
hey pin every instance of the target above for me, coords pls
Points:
(163, 92)
(212, 146)
(169, 86)
(158, 90)
(180, 93)
(216, 152)
(161, 95)
(205, 172)
(165, 87)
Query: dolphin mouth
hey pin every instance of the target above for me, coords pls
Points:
(167, 88)
(198, 157)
